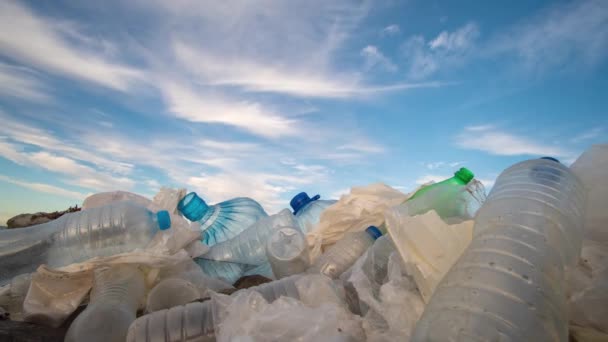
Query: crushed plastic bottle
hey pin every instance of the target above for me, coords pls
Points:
(287, 252)
(195, 321)
(98, 232)
(249, 246)
(509, 283)
(448, 197)
(339, 257)
(228, 271)
(222, 221)
(171, 292)
(308, 210)
(264, 270)
(116, 295)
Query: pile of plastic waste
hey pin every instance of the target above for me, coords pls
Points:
(443, 263)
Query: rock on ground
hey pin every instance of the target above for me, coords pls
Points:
(26, 220)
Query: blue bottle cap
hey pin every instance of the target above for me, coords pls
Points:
(374, 232)
(164, 220)
(550, 158)
(300, 200)
(192, 207)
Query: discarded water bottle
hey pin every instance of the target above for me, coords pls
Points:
(509, 283)
(287, 252)
(345, 252)
(308, 210)
(448, 198)
(228, 271)
(171, 292)
(222, 221)
(249, 246)
(115, 298)
(98, 232)
(264, 270)
(375, 265)
(195, 321)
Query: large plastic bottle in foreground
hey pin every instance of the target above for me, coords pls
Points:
(448, 198)
(195, 321)
(249, 246)
(98, 232)
(345, 252)
(116, 295)
(308, 210)
(509, 283)
(222, 221)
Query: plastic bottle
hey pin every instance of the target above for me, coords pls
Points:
(308, 210)
(98, 232)
(375, 266)
(195, 321)
(221, 221)
(287, 252)
(171, 292)
(345, 252)
(228, 271)
(509, 283)
(115, 298)
(264, 270)
(249, 246)
(448, 197)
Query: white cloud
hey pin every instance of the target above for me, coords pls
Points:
(41, 187)
(494, 141)
(28, 38)
(21, 83)
(588, 135)
(458, 40)
(447, 49)
(569, 33)
(194, 106)
(362, 147)
(374, 57)
(391, 30)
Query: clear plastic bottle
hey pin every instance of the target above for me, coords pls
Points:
(249, 246)
(195, 321)
(228, 271)
(115, 298)
(287, 252)
(339, 257)
(171, 292)
(449, 198)
(509, 283)
(375, 265)
(222, 221)
(98, 232)
(308, 210)
(264, 270)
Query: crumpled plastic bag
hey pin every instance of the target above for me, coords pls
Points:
(363, 207)
(427, 245)
(390, 305)
(54, 294)
(247, 316)
(588, 282)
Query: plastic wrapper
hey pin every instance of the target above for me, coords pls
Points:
(104, 198)
(363, 207)
(428, 246)
(321, 313)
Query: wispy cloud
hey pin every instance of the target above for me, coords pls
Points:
(570, 33)
(21, 83)
(375, 58)
(391, 30)
(431, 178)
(28, 37)
(441, 164)
(41, 187)
(488, 139)
(591, 134)
(447, 49)
(195, 106)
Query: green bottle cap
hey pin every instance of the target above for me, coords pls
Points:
(464, 175)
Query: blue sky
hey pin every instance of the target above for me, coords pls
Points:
(269, 98)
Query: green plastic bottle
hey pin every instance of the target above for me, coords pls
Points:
(445, 197)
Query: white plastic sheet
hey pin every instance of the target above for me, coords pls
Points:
(428, 245)
(363, 207)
